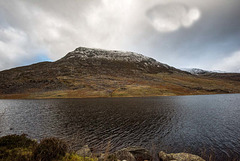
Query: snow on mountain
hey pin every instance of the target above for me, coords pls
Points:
(86, 53)
(197, 71)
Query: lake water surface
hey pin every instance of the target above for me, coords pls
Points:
(172, 124)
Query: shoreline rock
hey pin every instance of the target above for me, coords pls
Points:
(85, 151)
(135, 153)
(179, 157)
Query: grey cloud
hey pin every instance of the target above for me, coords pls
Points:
(213, 37)
(172, 16)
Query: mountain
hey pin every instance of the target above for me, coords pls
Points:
(87, 72)
(196, 71)
(213, 74)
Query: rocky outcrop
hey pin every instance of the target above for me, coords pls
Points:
(179, 157)
(132, 154)
(85, 151)
(83, 53)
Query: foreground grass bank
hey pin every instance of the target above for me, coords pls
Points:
(21, 148)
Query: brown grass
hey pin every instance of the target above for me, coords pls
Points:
(152, 85)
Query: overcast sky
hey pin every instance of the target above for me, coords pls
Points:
(181, 33)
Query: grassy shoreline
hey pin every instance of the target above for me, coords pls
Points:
(45, 96)
(151, 85)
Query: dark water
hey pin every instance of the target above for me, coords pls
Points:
(172, 124)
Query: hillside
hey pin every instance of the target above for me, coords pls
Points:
(213, 74)
(87, 72)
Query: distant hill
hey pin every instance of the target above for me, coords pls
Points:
(87, 72)
(213, 74)
(196, 71)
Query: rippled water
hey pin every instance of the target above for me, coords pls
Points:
(172, 124)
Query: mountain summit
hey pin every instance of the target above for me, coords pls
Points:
(115, 60)
(113, 55)
(87, 72)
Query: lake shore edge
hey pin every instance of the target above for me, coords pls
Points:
(29, 97)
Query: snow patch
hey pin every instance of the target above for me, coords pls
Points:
(86, 53)
(196, 71)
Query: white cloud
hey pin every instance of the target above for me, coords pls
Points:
(63, 27)
(170, 17)
(230, 63)
(14, 47)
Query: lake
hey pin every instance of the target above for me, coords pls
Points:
(193, 124)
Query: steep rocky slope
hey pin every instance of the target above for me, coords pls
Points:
(87, 72)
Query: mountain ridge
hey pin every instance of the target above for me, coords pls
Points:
(88, 72)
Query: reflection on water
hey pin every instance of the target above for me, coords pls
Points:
(174, 124)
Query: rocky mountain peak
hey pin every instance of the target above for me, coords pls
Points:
(84, 53)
